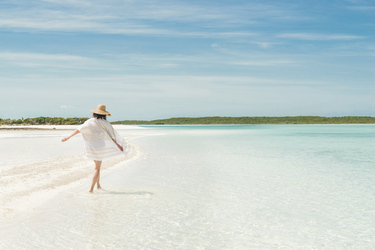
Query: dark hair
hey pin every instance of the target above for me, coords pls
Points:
(97, 116)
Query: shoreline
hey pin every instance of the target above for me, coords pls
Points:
(28, 129)
(38, 127)
(142, 126)
(56, 127)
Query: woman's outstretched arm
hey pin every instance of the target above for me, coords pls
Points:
(75, 133)
(118, 145)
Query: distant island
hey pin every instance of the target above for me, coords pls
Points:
(255, 120)
(44, 121)
(201, 120)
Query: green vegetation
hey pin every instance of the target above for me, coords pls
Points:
(43, 121)
(202, 120)
(257, 120)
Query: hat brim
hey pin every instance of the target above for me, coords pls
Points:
(101, 112)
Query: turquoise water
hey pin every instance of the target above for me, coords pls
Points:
(220, 187)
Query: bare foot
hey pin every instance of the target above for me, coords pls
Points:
(91, 191)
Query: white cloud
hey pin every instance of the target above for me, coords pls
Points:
(254, 51)
(138, 17)
(264, 45)
(46, 60)
(319, 37)
(362, 8)
(39, 56)
(66, 107)
(261, 63)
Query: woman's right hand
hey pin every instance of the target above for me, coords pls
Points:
(75, 133)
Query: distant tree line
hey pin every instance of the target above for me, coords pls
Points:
(43, 121)
(256, 120)
(201, 120)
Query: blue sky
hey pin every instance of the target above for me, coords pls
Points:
(150, 59)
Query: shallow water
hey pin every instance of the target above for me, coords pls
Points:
(219, 187)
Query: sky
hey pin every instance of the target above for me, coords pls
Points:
(154, 59)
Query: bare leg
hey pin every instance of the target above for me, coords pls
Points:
(97, 182)
(95, 178)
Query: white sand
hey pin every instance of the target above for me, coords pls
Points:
(37, 166)
(61, 127)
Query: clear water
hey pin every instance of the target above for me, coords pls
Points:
(218, 187)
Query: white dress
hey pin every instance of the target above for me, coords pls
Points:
(97, 135)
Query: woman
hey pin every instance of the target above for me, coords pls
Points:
(101, 141)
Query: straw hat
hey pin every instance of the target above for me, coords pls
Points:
(101, 110)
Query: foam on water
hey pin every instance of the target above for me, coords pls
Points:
(239, 187)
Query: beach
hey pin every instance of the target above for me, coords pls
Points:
(193, 187)
(36, 164)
